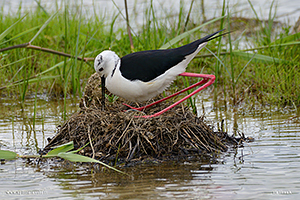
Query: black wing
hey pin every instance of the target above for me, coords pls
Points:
(147, 65)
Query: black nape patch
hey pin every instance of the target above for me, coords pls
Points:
(116, 64)
(99, 60)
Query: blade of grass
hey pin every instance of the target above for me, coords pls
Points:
(74, 66)
(111, 30)
(24, 87)
(80, 158)
(252, 49)
(65, 62)
(30, 80)
(180, 17)
(9, 29)
(218, 65)
(255, 13)
(258, 57)
(155, 26)
(20, 34)
(60, 149)
(81, 65)
(231, 58)
(20, 69)
(120, 12)
(59, 65)
(238, 77)
(41, 7)
(7, 155)
(35, 104)
(187, 33)
(212, 53)
(43, 26)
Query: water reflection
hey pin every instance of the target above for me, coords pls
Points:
(168, 180)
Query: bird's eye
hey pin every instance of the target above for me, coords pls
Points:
(101, 69)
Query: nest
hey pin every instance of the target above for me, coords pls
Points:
(113, 134)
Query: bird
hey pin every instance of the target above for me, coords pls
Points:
(142, 75)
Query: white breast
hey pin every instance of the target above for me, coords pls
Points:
(142, 91)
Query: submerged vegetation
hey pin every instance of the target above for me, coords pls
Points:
(267, 72)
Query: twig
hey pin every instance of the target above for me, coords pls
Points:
(15, 47)
(188, 15)
(128, 26)
(29, 46)
(203, 10)
(146, 138)
(90, 139)
(124, 131)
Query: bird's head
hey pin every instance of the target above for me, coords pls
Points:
(106, 62)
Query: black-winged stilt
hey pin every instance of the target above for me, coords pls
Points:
(142, 75)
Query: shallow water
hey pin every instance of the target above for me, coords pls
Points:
(267, 168)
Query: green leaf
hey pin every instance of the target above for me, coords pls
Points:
(257, 57)
(9, 29)
(187, 33)
(7, 155)
(79, 158)
(43, 27)
(60, 149)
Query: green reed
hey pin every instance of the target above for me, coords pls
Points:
(267, 72)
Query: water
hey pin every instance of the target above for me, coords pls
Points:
(267, 168)
(286, 10)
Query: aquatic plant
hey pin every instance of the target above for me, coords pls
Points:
(62, 151)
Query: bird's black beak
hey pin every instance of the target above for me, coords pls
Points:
(103, 92)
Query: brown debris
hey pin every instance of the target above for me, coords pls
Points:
(113, 133)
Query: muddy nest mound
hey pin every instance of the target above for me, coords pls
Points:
(112, 133)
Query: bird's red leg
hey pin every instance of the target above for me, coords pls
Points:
(168, 97)
(207, 81)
